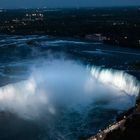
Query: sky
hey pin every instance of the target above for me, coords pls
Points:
(65, 3)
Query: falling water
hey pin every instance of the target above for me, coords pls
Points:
(66, 82)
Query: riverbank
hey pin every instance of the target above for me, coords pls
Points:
(127, 126)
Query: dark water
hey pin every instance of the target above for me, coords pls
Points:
(58, 88)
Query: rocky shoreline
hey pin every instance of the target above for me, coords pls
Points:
(127, 126)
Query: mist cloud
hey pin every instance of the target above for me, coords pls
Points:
(65, 83)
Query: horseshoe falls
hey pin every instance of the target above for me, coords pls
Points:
(51, 90)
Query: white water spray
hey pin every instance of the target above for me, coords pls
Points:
(68, 84)
(118, 79)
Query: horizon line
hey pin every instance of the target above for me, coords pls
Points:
(72, 7)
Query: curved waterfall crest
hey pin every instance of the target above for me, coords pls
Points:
(79, 84)
(118, 79)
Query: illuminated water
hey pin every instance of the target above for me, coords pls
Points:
(52, 88)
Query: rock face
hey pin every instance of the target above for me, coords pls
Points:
(130, 132)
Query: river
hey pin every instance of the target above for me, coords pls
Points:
(63, 88)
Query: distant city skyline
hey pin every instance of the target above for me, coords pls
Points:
(11, 4)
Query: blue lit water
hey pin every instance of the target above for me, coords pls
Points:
(63, 88)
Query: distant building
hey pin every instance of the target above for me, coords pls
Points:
(33, 16)
(95, 37)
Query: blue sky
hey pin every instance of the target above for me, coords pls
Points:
(64, 3)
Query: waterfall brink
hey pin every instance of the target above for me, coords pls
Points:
(118, 79)
(68, 84)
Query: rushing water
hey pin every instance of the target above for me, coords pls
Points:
(58, 95)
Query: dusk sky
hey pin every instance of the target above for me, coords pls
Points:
(64, 3)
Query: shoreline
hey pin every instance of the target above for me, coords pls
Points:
(119, 130)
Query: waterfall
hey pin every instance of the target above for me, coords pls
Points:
(119, 79)
(66, 83)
